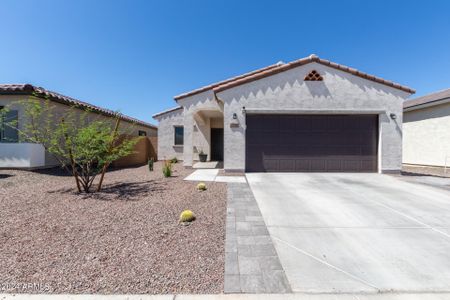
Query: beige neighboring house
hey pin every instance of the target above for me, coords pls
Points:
(17, 154)
(426, 130)
(308, 115)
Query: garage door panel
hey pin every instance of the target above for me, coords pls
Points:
(318, 165)
(334, 165)
(370, 164)
(287, 165)
(316, 143)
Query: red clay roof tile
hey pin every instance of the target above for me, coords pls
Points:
(28, 89)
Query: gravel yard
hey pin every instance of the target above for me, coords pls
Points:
(125, 239)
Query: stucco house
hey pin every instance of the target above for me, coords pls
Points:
(15, 153)
(426, 130)
(307, 115)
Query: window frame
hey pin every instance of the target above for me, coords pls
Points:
(3, 131)
(142, 133)
(175, 143)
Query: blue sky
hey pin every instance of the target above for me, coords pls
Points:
(134, 56)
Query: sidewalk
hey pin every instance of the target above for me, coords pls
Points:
(384, 296)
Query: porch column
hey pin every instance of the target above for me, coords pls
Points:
(188, 147)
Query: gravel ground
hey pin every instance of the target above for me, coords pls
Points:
(125, 239)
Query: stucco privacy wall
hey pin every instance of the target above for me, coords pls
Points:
(166, 135)
(339, 92)
(196, 131)
(426, 139)
(12, 101)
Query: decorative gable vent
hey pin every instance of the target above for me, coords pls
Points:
(313, 76)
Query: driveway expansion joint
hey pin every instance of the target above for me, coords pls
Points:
(251, 261)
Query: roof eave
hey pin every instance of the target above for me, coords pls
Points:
(413, 107)
(30, 90)
(157, 115)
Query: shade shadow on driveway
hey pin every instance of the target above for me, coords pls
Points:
(350, 233)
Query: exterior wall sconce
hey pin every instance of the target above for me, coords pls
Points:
(393, 116)
(243, 110)
(234, 121)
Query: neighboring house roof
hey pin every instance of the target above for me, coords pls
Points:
(28, 89)
(281, 67)
(167, 111)
(427, 100)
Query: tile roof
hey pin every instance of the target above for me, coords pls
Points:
(430, 99)
(281, 67)
(213, 85)
(167, 111)
(304, 61)
(28, 89)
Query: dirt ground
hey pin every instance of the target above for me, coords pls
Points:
(125, 239)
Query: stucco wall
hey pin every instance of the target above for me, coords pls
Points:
(166, 135)
(13, 102)
(426, 139)
(197, 132)
(339, 92)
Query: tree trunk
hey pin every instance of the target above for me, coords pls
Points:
(72, 162)
(114, 134)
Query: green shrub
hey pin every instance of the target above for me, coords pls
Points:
(187, 216)
(174, 160)
(150, 164)
(167, 169)
(201, 186)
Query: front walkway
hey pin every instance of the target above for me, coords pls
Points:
(251, 262)
(212, 175)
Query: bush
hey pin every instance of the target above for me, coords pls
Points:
(201, 186)
(167, 169)
(174, 160)
(187, 216)
(150, 164)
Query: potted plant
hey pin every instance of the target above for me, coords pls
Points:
(202, 156)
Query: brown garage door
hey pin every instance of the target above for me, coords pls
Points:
(311, 143)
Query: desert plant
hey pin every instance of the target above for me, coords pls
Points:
(167, 169)
(201, 186)
(187, 216)
(84, 147)
(174, 160)
(150, 164)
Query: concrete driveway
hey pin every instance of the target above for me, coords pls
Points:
(356, 232)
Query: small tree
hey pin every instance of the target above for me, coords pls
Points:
(84, 146)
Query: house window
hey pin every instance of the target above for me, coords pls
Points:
(142, 133)
(8, 126)
(179, 135)
(313, 76)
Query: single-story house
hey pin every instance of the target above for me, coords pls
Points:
(426, 130)
(307, 115)
(15, 153)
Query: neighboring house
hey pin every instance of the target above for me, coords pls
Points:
(17, 154)
(426, 130)
(307, 115)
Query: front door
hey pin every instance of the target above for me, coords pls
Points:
(217, 144)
